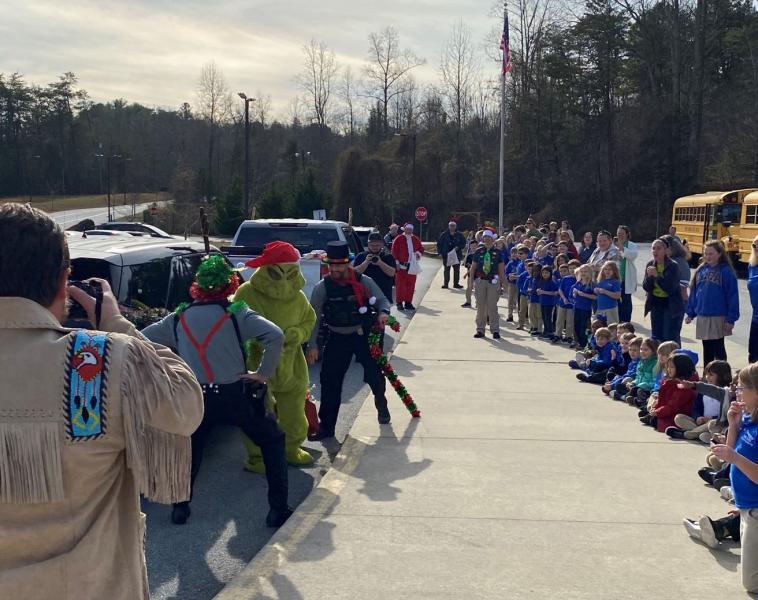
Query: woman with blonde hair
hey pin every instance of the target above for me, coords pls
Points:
(752, 288)
(714, 300)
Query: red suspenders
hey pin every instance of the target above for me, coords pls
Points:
(201, 348)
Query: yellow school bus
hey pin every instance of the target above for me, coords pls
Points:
(748, 225)
(711, 216)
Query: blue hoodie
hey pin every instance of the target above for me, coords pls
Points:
(715, 294)
(603, 357)
(752, 287)
(566, 284)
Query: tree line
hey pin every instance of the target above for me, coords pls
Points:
(613, 109)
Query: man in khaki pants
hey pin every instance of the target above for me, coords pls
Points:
(488, 272)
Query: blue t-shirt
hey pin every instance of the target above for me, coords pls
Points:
(548, 286)
(546, 261)
(603, 357)
(531, 286)
(745, 491)
(523, 278)
(511, 269)
(580, 302)
(606, 302)
(565, 285)
(752, 288)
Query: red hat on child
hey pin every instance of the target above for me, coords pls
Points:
(275, 253)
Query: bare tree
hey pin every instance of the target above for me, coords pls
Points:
(317, 79)
(387, 66)
(295, 111)
(532, 18)
(213, 102)
(261, 108)
(349, 99)
(458, 69)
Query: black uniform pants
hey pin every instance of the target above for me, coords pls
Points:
(338, 352)
(233, 404)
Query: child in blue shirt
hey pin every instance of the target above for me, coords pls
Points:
(602, 361)
(523, 298)
(535, 310)
(564, 328)
(616, 387)
(608, 291)
(547, 290)
(583, 294)
(511, 289)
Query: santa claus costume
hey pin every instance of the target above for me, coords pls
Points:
(407, 250)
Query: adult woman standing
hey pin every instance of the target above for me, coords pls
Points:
(680, 255)
(628, 254)
(664, 300)
(714, 300)
(752, 288)
(567, 228)
(564, 237)
(587, 248)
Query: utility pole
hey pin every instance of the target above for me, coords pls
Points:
(246, 199)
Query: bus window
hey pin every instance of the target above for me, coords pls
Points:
(729, 213)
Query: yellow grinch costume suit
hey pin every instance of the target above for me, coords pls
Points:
(275, 292)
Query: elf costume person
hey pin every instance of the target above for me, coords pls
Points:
(275, 292)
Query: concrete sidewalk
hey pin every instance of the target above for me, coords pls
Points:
(517, 482)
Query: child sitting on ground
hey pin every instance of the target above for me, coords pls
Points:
(712, 401)
(617, 386)
(665, 350)
(564, 326)
(622, 359)
(639, 389)
(600, 363)
(672, 399)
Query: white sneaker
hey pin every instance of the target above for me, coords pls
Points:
(706, 437)
(727, 494)
(693, 529)
(707, 534)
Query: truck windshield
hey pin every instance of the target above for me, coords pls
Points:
(305, 239)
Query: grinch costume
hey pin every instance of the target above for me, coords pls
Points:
(275, 292)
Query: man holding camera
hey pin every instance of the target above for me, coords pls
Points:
(88, 420)
(378, 264)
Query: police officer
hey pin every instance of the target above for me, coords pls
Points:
(348, 303)
(210, 336)
(488, 273)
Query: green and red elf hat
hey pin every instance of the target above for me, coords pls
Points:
(215, 279)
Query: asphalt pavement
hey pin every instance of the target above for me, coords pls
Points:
(226, 529)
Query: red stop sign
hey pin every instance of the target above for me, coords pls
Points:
(421, 214)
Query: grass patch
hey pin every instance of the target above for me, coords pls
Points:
(61, 203)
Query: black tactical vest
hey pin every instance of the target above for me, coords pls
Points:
(341, 307)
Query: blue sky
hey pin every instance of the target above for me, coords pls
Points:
(152, 52)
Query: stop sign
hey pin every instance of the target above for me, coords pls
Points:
(421, 214)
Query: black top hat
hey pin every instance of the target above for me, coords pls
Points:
(337, 253)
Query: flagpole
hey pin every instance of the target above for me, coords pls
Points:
(502, 136)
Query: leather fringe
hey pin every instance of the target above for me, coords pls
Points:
(31, 465)
(160, 461)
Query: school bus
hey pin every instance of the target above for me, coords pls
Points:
(748, 225)
(712, 216)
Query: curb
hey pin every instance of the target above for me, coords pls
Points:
(247, 584)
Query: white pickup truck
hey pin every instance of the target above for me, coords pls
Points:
(307, 235)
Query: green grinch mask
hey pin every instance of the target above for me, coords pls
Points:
(278, 281)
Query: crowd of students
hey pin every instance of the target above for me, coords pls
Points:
(575, 297)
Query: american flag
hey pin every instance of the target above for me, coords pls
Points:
(505, 46)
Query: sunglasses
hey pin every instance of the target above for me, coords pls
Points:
(754, 245)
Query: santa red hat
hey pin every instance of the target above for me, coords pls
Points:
(489, 232)
(275, 253)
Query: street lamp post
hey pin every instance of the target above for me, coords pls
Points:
(108, 182)
(246, 199)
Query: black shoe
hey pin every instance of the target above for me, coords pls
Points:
(479, 334)
(383, 413)
(675, 433)
(509, 319)
(642, 412)
(466, 305)
(400, 306)
(496, 336)
(718, 483)
(180, 513)
(647, 420)
(276, 518)
(409, 306)
(444, 287)
(706, 474)
(322, 435)
(582, 376)
(457, 286)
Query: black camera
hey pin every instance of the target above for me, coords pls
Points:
(76, 311)
(375, 258)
